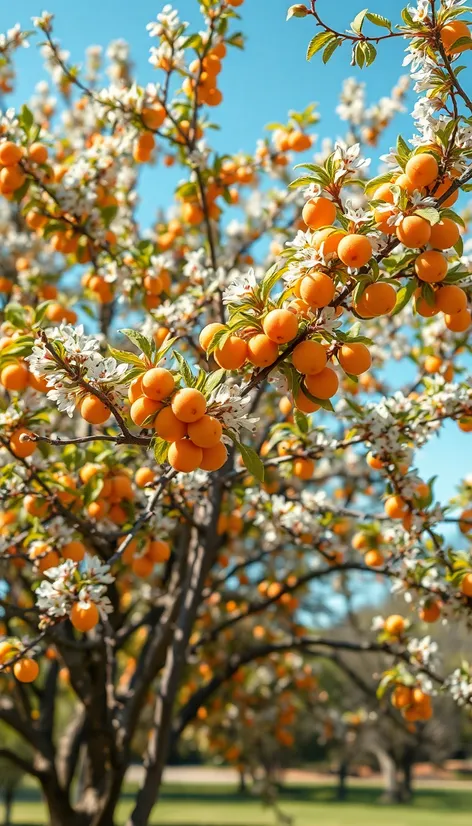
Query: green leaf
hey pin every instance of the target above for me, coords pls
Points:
(269, 281)
(252, 461)
(126, 357)
(26, 118)
(427, 293)
(318, 42)
(379, 20)
(298, 10)
(430, 214)
(402, 148)
(358, 21)
(300, 420)
(193, 41)
(161, 449)
(162, 352)
(330, 49)
(358, 55)
(185, 370)
(462, 41)
(213, 380)
(403, 296)
(139, 340)
(370, 53)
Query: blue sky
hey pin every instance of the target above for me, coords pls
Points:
(259, 86)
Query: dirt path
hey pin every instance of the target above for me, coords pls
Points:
(213, 775)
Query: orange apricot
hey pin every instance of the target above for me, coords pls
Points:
(83, 616)
(451, 299)
(466, 585)
(213, 457)
(142, 410)
(453, 31)
(323, 385)
(303, 468)
(309, 357)
(93, 410)
(184, 456)
(355, 250)
(280, 326)
(374, 559)
(319, 212)
(158, 383)
(205, 432)
(414, 231)
(144, 475)
(431, 611)
(317, 289)
(208, 333)
(422, 169)
(445, 234)
(459, 322)
(189, 404)
(431, 266)
(26, 670)
(395, 507)
(168, 426)
(135, 390)
(15, 376)
(232, 354)
(10, 153)
(153, 116)
(20, 448)
(159, 550)
(378, 299)
(394, 625)
(38, 153)
(354, 358)
(261, 351)
(74, 550)
(304, 404)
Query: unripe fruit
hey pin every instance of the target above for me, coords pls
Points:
(355, 250)
(168, 426)
(451, 299)
(206, 432)
(214, 457)
(354, 358)
(309, 357)
(445, 234)
(280, 326)
(189, 404)
(184, 456)
(232, 355)
(93, 410)
(207, 334)
(261, 351)
(431, 266)
(317, 289)
(414, 231)
(422, 169)
(26, 670)
(323, 385)
(142, 409)
(319, 212)
(84, 617)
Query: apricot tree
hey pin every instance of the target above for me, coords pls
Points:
(176, 479)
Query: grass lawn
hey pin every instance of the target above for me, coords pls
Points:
(186, 805)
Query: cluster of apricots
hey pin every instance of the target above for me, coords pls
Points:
(413, 703)
(309, 358)
(370, 545)
(179, 417)
(12, 171)
(203, 78)
(416, 232)
(25, 669)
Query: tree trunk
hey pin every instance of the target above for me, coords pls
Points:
(242, 788)
(391, 792)
(407, 772)
(8, 796)
(341, 793)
